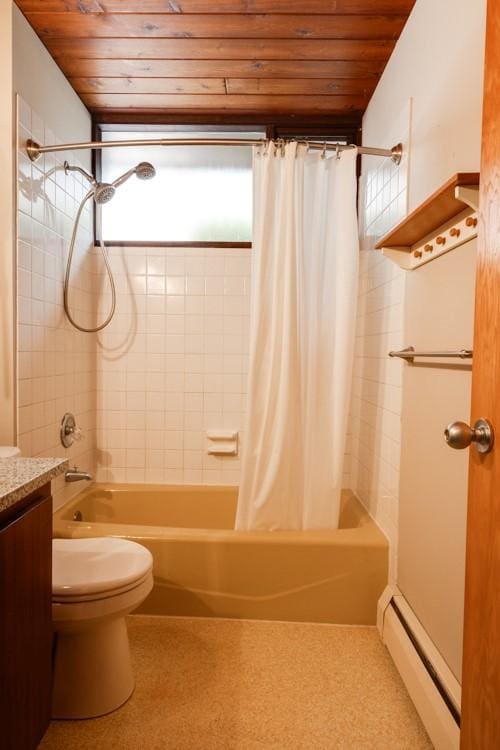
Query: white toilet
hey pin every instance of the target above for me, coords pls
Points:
(95, 583)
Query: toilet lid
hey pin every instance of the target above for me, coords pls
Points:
(91, 566)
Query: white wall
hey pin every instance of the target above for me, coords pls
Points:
(438, 63)
(430, 97)
(41, 83)
(55, 363)
(7, 301)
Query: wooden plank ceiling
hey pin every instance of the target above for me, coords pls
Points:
(259, 58)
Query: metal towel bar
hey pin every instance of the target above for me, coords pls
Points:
(409, 353)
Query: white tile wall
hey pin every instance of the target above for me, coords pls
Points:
(384, 196)
(376, 393)
(56, 364)
(172, 364)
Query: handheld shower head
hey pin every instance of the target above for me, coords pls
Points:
(145, 171)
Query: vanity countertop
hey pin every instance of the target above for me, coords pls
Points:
(20, 476)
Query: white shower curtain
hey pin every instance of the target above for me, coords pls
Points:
(304, 288)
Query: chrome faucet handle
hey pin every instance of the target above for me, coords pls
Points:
(69, 431)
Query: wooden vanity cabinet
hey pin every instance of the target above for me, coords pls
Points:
(25, 620)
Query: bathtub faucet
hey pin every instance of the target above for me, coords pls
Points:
(74, 475)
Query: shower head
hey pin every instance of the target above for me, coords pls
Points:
(144, 171)
(103, 192)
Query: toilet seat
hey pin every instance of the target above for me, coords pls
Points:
(95, 597)
(92, 569)
(71, 615)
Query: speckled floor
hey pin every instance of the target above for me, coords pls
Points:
(205, 684)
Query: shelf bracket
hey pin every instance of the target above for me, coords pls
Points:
(399, 255)
(468, 194)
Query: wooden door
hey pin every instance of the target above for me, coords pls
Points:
(481, 664)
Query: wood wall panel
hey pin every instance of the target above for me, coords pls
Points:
(253, 56)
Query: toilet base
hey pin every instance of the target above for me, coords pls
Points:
(92, 670)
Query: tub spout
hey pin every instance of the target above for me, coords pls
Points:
(74, 475)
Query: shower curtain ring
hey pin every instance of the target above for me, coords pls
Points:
(338, 152)
(323, 153)
(299, 144)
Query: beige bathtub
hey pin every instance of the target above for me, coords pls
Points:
(203, 567)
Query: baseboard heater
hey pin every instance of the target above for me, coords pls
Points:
(433, 689)
(428, 665)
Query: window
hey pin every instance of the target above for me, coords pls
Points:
(199, 194)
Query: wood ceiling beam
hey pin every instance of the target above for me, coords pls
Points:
(315, 124)
(228, 26)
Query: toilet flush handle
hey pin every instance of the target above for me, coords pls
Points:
(460, 435)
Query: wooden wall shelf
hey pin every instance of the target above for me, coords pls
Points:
(447, 213)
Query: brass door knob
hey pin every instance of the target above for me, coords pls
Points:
(460, 435)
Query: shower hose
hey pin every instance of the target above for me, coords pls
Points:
(105, 258)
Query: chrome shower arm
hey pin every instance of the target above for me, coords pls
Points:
(69, 168)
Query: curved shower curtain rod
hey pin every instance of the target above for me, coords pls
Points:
(34, 149)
